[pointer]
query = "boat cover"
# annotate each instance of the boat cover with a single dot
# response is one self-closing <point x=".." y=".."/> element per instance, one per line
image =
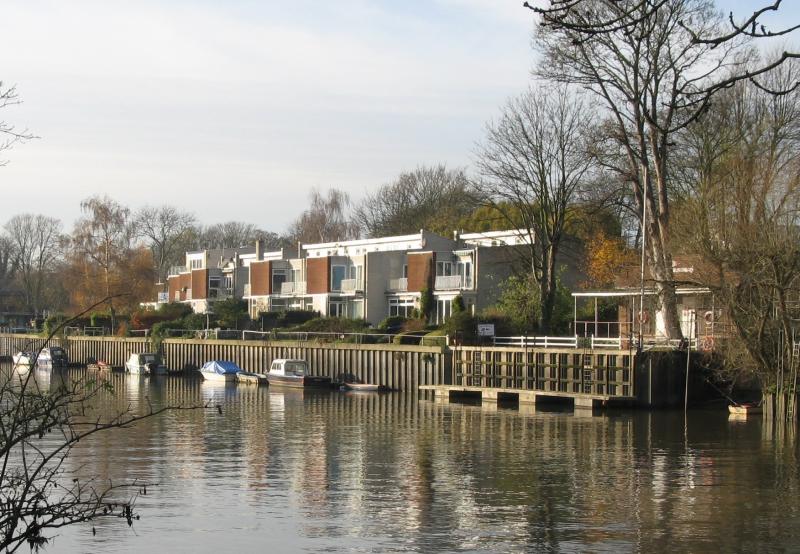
<point x="220" y="367"/>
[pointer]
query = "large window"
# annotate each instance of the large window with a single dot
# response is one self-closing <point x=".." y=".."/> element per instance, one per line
<point x="464" y="270"/>
<point x="444" y="269"/>
<point x="443" y="309"/>
<point x="229" y="283"/>
<point x="336" y="309"/>
<point x="196" y="264"/>
<point x="338" y="273"/>
<point x="278" y="278"/>
<point x="401" y="307"/>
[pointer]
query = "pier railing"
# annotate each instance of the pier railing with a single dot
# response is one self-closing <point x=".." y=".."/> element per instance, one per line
<point x="599" y="373"/>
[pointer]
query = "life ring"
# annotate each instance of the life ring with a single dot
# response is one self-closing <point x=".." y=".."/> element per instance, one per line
<point x="708" y="317"/>
<point x="643" y="316"/>
<point x="707" y="344"/>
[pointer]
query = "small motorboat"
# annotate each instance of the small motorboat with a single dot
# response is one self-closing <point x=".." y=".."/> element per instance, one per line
<point x="220" y="370"/>
<point x="23" y="359"/>
<point x="146" y="363"/>
<point x="361" y="387"/>
<point x="294" y="373"/>
<point x="45" y="358"/>
<point x="744" y="409"/>
<point x="98" y="365"/>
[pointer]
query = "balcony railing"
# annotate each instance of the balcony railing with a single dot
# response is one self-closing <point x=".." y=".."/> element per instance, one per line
<point x="397" y="285"/>
<point x="219" y="293"/>
<point x="452" y="282"/>
<point x="247" y="290"/>
<point x="351" y="285"/>
<point x="293" y="287"/>
<point x="177" y="270"/>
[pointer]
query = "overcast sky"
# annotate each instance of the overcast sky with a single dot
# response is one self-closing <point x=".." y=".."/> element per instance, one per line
<point x="235" y="109"/>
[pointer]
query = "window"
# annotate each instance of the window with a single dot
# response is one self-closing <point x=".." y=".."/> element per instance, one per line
<point x="229" y="283"/>
<point x="214" y="282"/>
<point x="464" y="270"/>
<point x="401" y="307"/>
<point x="444" y="269"/>
<point x="336" y="309"/>
<point x="278" y="278"/>
<point x="338" y="273"/>
<point x="196" y="264"/>
<point x="443" y="309"/>
<point x="405" y="271"/>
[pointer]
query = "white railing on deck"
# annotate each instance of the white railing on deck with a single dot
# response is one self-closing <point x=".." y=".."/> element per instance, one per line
<point x="537" y="342"/>
<point x="351" y="285"/>
<point x="398" y="285"/>
<point x="247" y="290"/>
<point x="452" y="282"/>
<point x="293" y="287"/>
<point x="606" y="342"/>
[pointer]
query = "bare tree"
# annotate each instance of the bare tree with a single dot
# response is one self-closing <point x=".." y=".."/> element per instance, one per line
<point x="326" y="219"/>
<point x="41" y="425"/>
<point x="744" y="221"/>
<point x="656" y="65"/>
<point x="165" y="230"/>
<point x="35" y="242"/>
<point x="535" y="159"/>
<point x="9" y="134"/>
<point x="432" y="198"/>
<point x="103" y="237"/>
<point x="234" y="234"/>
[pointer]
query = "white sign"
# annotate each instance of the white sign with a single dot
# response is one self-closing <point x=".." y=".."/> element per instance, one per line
<point x="486" y="329"/>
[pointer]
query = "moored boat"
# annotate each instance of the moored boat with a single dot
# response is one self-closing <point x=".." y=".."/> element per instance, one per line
<point x="744" y="409"/>
<point x="145" y="363"/>
<point x="98" y="365"/>
<point x="220" y="370"/>
<point x="362" y="387"/>
<point x="45" y="358"/>
<point x="294" y="373"/>
<point x="23" y="359"/>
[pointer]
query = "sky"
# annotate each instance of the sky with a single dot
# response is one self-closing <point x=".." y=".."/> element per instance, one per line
<point x="236" y="109"/>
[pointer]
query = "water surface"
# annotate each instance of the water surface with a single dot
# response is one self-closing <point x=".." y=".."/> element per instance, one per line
<point x="293" y="471"/>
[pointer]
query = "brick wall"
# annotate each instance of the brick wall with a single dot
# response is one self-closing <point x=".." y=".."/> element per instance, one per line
<point x="318" y="275"/>
<point x="420" y="271"/>
<point x="260" y="278"/>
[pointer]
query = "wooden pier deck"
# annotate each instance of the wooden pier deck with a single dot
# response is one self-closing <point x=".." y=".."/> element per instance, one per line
<point x="492" y="394"/>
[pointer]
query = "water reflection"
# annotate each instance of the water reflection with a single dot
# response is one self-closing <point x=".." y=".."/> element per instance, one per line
<point x="297" y="470"/>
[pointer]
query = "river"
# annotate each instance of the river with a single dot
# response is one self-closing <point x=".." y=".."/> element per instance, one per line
<point x="293" y="471"/>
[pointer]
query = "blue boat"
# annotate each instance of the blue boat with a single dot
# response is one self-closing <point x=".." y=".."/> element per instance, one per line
<point x="220" y="370"/>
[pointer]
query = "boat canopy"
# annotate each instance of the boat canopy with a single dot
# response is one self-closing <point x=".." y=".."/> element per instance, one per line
<point x="220" y="367"/>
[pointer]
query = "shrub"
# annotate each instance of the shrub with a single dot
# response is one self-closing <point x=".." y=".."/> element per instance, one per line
<point x="195" y="321"/>
<point x="411" y="325"/>
<point x="333" y="325"/>
<point x="392" y="323"/>
<point x="463" y="327"/>
<point x="457" y="305"/>
<point x="426" y="302"/>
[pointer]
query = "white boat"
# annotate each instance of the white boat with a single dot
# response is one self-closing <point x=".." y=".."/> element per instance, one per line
<point x="45" y="358"/>
<point x="362" y="387"/>
<point x="23" y="360"/>
<point x="219" y="370"/>
<point x="294" y="373"/>
<point x="744" y="409"/>
<point x="146" y="363"/>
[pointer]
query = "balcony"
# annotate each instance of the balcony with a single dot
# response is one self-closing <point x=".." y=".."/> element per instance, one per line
<point x="452" y="282"/>
<point x="351" y="285"/>
<point x="177" y="270"/>
<point x="397" y="285"/>
<point x="219" y="293"/>
<point x="293" y="287"/>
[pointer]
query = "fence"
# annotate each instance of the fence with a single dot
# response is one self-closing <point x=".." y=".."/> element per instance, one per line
<point x="601" y="373"/>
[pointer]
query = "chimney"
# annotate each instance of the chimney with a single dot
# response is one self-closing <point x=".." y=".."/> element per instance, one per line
<point x="259" y="250"/>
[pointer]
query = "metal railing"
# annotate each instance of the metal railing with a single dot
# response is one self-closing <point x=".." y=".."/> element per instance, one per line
<point x="452" y="282"/>
<point x="293" y="287"/>
<point x="397" y="285"/>
<point x="177" y="270"/>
